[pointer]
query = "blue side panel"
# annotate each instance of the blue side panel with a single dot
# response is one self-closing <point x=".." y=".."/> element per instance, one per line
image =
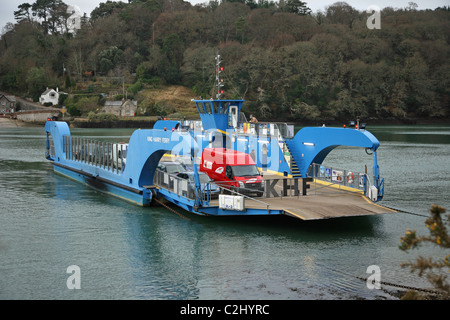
<point x="145" y="149"/>
<point x="313" y="144"/>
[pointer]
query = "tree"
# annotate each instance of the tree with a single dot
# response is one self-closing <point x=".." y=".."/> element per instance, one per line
<point x="36" y="81"/>
<point x="225" y="17"/>
<point x="41" y="9"/>
<point x="240" y="27"/>
<point x="297" y="7"/>
<point x="53" y="13"/>
<point x="436" y="225"/>
<point x="24" y="12"/>
<point x="341" y="12"/>
<point x="106" y="9"/>
<point x="109" y="58"/>
<point x="59" y="16"/>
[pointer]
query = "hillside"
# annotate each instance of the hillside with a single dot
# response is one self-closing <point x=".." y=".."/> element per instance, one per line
<point x="285" y="61"/>
<point x="170" y="101"/>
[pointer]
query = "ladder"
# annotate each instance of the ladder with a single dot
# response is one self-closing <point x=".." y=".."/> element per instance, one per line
<point x="295" y="171"/>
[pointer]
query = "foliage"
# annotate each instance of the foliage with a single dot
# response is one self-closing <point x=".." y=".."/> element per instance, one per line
<point x="36" y="81"/>
<point x="92" y="116"/>
<point x="284" y="60"/>
<point x="436" y="225"/>
<point x="82" y="105"/>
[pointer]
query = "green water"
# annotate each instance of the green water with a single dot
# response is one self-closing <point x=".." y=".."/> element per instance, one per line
<point x="48" y="223"/>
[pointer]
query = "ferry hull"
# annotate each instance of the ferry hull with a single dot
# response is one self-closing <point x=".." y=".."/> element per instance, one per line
<point x="135" y="197"/>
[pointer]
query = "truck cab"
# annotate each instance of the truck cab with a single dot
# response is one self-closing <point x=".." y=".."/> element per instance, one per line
<point x="233" y="170"/>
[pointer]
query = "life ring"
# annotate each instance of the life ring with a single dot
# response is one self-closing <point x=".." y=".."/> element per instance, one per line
<point x="350" y="177"/>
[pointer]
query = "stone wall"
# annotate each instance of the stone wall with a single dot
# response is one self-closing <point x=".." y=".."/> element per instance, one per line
<point x="37" y="116"/>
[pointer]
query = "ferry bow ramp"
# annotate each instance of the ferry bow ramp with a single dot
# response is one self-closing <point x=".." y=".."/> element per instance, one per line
<point x="341" y="205"/>
<point x="318" y="202"/>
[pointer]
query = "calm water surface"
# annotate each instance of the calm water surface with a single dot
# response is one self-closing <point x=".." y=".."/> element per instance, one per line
<point x="48" y="223"/>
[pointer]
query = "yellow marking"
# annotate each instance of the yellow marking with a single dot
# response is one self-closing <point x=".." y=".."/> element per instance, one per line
<point x="274" y="172"/>
<point x="378" y="205"/>
<point x="295" y="214"/>
<point x="176" y="156"/>
<point x="224" y="132"/>
<point x="337" y="186"/>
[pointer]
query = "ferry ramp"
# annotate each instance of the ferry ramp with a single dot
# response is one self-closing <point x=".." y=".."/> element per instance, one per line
<point x="319" y="201"/>
<point x="304" y="198"/>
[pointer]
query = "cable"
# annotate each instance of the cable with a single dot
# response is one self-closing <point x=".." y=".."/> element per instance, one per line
<point x="169" y="208"/>
<point x="403" y="211"/>
<point x="384" y="282"/>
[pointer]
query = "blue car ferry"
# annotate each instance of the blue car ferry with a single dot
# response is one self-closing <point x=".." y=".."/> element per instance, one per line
<point x="290" y="163"/>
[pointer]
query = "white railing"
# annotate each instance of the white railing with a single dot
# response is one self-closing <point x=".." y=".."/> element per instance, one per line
<point x="339" y="177"/>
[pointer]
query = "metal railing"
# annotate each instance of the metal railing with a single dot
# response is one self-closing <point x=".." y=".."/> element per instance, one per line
<point x="268" y="188"/>
<point x="275" y="129"/>
<point x="173" y="183"/>
<point x="184" y="187"/>
<point x="106" y="155"/>
<point x="338" y="177"/>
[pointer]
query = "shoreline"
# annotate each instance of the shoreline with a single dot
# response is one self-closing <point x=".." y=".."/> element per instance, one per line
<point x="14" y="123"/>
<point x="11" y="123"/>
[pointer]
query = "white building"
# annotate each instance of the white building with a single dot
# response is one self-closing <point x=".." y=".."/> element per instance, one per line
<point x="74" y="21"/>
<point x="49" y="96"/>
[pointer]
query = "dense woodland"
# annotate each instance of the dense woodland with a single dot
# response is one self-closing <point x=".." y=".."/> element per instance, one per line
<point x="287" y="62"/>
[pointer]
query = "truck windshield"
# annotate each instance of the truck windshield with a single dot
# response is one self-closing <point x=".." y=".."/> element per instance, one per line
<point x="247" y="170"/>
<point x="202" y="177"/>
<point x="174" y="168"/>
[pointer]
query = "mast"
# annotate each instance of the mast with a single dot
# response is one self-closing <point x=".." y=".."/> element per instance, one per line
<point x="219" y="80"/>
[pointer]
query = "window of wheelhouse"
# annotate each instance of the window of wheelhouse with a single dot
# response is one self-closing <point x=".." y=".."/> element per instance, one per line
<point x="216" y="105"/>
<point x="225" y="106"/>
<point x="207" y="106"/>
<point x="200" y="107"/>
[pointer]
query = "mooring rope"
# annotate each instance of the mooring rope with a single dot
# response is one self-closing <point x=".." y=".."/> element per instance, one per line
<point x="403" y="286"/>
<point x="385" y="283"/>
<point x="408" y="212"/>
<point x="169" y="208"/>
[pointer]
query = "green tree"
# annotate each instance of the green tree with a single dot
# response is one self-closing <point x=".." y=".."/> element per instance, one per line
<point x="53" y="14"/>
<point x="342" y="13"/>
<point x="240" y="27"/>
<point x="297" y="7"/>
<point x="24" y="12"/>
<point x="109" y="58"/>
<point x="106" y="9"/>
<point x="36" y="81"/>
<point x="437" y="226"/>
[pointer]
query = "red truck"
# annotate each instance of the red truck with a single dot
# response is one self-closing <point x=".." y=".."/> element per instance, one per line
<point x="233" y="170"/>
